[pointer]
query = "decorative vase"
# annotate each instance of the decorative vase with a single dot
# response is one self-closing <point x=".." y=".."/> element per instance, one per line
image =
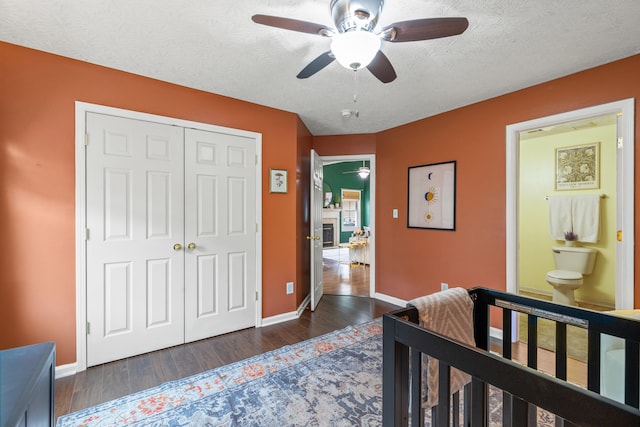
<point x="569" y="242"/>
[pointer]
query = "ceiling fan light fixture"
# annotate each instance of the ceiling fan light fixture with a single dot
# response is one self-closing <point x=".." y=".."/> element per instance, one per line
<point x="355" y="49"/>
<point x="363" y="172"/>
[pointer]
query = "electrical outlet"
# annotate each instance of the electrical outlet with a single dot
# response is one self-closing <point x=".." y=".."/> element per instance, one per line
<point x="395" y="213"/>
<point x="444" y="286"/>
<point x="289" y="287"/>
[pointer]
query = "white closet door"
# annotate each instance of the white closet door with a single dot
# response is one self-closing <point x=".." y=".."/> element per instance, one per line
<point x="135" y="207"/>
<point x="220" y="226"/>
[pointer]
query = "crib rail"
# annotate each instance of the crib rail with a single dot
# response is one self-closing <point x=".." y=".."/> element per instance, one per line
<point x="523" y="386"/>
<point x="596" y="323"/>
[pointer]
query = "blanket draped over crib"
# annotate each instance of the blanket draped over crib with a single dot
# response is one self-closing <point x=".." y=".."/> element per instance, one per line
<point x="449" y="313"/>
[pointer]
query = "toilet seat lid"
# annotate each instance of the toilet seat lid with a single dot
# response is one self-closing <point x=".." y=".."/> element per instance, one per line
<point x="565" y="275"/>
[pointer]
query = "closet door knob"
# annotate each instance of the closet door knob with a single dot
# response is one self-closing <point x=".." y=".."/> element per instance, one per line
<point x="177" y="247"/>
<point x="191" y="246"/>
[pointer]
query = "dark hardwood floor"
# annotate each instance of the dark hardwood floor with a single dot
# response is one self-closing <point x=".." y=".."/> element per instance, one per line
<point x="106" y="382"/>
<point x="342" y="278"/>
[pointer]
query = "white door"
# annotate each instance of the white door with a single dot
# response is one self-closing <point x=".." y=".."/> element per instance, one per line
<point x="134" y="217"/>
<point x="315" y="239"/>
<point x="220" y="233"/>
<point x="171" y="245"/>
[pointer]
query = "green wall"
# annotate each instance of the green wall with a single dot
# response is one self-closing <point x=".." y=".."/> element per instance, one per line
<point x="537" y="178"/>
<point x="336" y="180"/>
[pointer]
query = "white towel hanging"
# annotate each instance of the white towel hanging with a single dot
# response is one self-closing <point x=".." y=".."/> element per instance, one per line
<point x="585" y="217"/>
<point x="559" y="216"/>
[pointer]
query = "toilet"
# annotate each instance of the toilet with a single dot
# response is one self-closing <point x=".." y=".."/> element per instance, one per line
<point x="571" y="263"/>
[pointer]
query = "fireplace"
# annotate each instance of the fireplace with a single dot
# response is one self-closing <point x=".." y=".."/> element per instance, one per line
<point x="330" y="224"/>
<point x="327" y="236"/>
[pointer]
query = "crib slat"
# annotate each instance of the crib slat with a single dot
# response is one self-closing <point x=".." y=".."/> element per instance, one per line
<point x="532" y="346"/>
<point x="632" y="373"/>
<point x="443" y="415"/>
<point x="456" y="408"/>
<point x="506" y="333"/>
<point x="561" y="350"/>
<point x="478" y="402"/>
<point x="593" y="360"/>
<point x="417" y="418"/>
<point x="467" y="405"/>
<point x="520" y="412"/>
<point x="507" y="409"/>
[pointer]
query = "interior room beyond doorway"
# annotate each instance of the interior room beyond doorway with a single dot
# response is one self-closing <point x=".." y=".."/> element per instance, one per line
<point x="347" y="226"/>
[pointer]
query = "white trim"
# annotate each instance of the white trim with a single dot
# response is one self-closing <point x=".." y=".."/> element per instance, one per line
<point x="285" y="317"/>
<point x="66" y="370"/>
<point x="279" y="318"/>
<point x="495" y="333"/>
<point x="372" y="208"/>
<point x="304" y="305"/>
<point x="626" y="194"/>
<point x="82" y="108"/>
<point x="391" y="300"/>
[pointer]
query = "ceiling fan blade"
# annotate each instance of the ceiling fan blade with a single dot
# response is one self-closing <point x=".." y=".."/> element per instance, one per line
<point x="381" y="68"/>
<point x="425" y="29"/>
<point x="292" y="24"/>
<point x="316" y="65"/>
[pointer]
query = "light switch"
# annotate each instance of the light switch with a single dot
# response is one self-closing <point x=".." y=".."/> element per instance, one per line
<point x="395" y="213"/>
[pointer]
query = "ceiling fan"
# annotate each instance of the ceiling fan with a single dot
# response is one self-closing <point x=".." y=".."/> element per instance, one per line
<point x="363" y="171"/>
<point x="356" y="42"/>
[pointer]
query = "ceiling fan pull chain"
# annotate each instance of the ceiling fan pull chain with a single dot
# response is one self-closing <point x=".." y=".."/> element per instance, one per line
<point x="355" y="86"/>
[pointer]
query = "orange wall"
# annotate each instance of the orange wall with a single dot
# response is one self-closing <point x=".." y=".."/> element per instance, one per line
<point x="37" y="183"/>
<point x="37" y="161"/>
<point x="413" y="262"/>
<point x="344" y="145"/>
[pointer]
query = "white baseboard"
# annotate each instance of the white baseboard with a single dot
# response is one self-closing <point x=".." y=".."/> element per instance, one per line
<point x="495" y="333"/>
<point x="285" y="317"/>
<point x="66" y="370"/>
<point x="390" y="299"/>
<point x="304" y="305"/>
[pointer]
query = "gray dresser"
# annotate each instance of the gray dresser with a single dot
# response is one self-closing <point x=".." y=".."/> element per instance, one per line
<point x="27" y="383"/>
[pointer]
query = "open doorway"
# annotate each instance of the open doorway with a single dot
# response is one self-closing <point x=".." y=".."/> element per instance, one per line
<point x="590" y="125"/>
<point x="348" y="225"/>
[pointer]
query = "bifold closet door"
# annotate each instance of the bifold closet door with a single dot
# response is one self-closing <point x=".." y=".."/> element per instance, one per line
<point x="135" y="222"/>
<point x="220" y="233"/>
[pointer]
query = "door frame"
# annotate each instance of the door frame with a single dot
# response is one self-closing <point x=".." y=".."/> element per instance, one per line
<point x="81" y="110"/>
<point x="625" y="111"/>
<point x="371" y="158"/>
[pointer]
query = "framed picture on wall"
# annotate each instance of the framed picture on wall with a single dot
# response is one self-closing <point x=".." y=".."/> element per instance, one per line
<point x="432" y="196"/>
<point x="578" y="167"/>
<point x="278" y="181"/>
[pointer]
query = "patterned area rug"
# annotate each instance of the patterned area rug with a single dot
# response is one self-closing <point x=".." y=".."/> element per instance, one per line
<point x="332" y="380"/>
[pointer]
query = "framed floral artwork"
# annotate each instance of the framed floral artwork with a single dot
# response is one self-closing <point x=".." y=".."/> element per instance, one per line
<point x="278" y="181"/>
<point x="578" y="167"/>
<point x="432" y="196"/>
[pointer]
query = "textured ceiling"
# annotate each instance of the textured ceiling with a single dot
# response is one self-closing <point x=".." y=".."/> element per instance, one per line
<point x="213" y="45"/>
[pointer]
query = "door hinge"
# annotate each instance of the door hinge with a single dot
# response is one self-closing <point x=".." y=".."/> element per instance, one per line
<point x="257" y="227"/>
<point x="88" y="328"/>
<point x="257" y="159"/>
<point x="86" y="234"/>
<point x="257" y="296"/>
<point x="620" y="143"/>
<point x="86" y="139"/>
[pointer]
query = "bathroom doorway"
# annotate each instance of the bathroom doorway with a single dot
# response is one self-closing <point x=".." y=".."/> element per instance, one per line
<point x="612" y="123"/>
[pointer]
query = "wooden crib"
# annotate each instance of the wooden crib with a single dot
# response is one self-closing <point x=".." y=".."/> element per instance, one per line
<point x="523" y="388"/>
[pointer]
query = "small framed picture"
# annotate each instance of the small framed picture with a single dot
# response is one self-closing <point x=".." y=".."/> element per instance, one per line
<point x="278" y="181"/>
